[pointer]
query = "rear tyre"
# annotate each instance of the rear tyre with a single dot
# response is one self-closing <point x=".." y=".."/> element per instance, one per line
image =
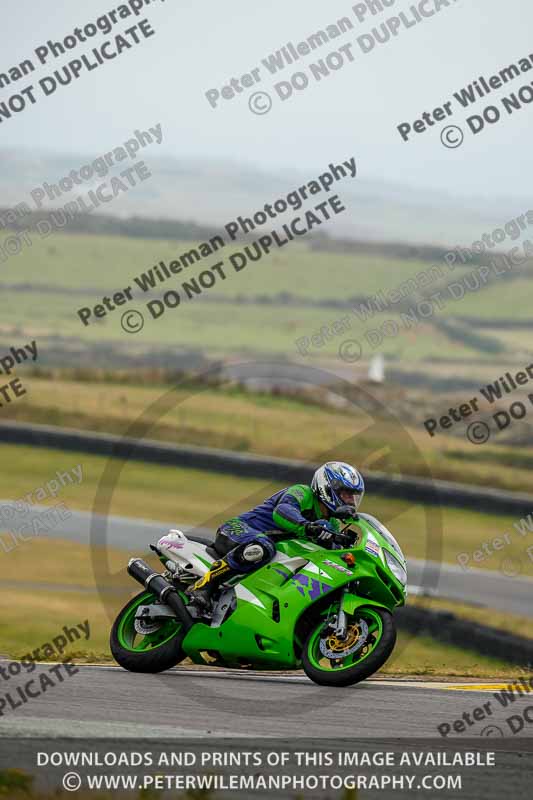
<point x="332" y="662"/>
<point x="153" y="651"/>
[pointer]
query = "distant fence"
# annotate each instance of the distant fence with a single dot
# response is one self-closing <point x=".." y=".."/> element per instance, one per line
<point x="270" y="468"/>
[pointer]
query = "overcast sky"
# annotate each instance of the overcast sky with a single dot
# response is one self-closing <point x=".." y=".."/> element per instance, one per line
<point x="199" y="46"/>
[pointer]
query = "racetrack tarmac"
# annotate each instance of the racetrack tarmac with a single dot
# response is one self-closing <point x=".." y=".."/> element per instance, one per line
<point x="110" y="702"/>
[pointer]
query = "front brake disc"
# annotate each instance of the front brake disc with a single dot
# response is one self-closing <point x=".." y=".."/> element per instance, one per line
<point x="340" y="654"/>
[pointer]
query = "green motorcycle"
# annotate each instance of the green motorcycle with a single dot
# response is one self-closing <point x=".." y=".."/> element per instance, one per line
<point x="326" y="611"/>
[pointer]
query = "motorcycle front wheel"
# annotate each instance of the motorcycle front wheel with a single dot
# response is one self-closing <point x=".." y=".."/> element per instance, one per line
<point x="370" y="640"/>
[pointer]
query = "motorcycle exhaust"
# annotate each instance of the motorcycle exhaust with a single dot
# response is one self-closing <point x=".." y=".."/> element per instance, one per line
<point x="163" y="590"/>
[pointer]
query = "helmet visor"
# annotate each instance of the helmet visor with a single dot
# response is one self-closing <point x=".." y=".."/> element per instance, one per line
<point x="349" y="497"/>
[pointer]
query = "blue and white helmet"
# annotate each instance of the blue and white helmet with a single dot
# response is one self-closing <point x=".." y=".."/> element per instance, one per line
<point x="338" y="484"/>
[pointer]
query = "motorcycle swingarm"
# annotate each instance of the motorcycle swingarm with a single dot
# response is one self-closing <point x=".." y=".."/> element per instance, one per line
<point x="155" y="611"/>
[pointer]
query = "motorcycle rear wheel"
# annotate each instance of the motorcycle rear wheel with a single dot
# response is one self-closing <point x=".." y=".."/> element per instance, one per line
<point x="348" y="667"/>
<point x="152" y="652"/>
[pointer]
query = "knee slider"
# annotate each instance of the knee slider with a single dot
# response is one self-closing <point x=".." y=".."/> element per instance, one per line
<point x="253" y="553"/>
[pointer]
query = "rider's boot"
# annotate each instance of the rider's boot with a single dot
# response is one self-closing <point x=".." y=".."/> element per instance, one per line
<point x="202" y="591"/>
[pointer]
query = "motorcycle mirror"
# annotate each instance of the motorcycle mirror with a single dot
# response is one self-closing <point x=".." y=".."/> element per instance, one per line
<point x="345" y="512"/>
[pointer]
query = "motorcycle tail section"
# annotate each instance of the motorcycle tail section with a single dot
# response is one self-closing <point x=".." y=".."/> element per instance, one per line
<point x="185" y="553"/>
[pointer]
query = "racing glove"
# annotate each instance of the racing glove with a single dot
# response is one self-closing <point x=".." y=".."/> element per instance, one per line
<point x="321" y="531"/>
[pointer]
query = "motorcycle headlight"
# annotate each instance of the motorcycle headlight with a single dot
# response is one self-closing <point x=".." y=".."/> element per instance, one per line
<point x="397" y="569"/>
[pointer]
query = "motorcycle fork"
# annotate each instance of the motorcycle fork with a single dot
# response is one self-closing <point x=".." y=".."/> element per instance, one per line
<point x="339" y="623"/>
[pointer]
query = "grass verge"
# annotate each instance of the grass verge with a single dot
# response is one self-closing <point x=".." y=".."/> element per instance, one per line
<point x="520" y="626"/>
<point x="281" y="426"/>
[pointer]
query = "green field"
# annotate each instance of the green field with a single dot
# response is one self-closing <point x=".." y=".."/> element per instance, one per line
<point x="106" y="263"/>
<point x="63" y="273"/>
<point x="254" y="315"/>
<point x="281" y="426"/>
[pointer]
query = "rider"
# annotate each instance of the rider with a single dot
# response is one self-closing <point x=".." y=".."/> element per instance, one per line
<point x="302" y="511"/>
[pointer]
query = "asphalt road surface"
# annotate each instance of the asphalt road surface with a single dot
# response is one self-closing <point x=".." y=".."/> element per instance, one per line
<point x="235" y="712"/>
<point x="490" y="589"/>
<point x="110" y="702"/>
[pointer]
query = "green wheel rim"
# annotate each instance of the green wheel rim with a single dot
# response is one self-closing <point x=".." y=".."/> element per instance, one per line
<point x="135" y="642"/>
<point x="325" y="664"/>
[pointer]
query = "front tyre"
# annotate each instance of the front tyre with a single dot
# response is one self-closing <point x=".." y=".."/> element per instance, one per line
<point x="155" y="648"/>
<point x="370" y="641"/>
